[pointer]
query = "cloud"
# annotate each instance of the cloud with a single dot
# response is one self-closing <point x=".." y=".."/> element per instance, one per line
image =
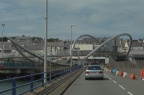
<point x="94" y="17"/>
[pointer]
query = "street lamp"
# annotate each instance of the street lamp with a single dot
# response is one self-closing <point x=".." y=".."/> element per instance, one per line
<point x="78" y="50"/>
<point x="3" y="25"/>
<point x="46" y="34"/>
<point x="71" y="49"/>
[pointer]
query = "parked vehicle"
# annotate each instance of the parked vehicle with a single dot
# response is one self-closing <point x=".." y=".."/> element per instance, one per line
<point x="93" y="71"/>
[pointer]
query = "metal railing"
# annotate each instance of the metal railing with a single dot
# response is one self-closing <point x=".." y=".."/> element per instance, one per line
<point x="33" y="81"/>
<point x="14" y="65"/>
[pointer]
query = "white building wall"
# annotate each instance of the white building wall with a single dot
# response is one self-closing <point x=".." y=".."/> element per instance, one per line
<point x="40" y="52"/>
<point x="106" y="60"/>
<point x="137" y="48"/>
<point x="84" y="46"/>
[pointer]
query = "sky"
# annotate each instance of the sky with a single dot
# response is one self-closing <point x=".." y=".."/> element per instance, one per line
<point x="99" y="18"/>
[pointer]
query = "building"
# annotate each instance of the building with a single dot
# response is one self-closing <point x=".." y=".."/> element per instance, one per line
<point x="35" y="46"/>
<point x="82" y="48"/>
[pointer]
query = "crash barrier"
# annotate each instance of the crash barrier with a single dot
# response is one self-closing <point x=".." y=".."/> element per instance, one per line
<point x="120" y="73"/>
<point x="132" y="76"/>
<point x="111" y="71"/>
<point x="117" y="73"/>
<point x="114" y="70"/>
<point x="130" y="67"/>
<point x="125" y="74"/>
<point x="35" y="83"/>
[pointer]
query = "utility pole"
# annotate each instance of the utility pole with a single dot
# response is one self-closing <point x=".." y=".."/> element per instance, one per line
<point x="46" y="34"/>
<point x="71" y="49"/>
<point x="3" y="25"/>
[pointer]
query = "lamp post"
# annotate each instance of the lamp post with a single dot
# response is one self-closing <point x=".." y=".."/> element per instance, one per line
<point x="71" y="49"/>
<point x="79" y="56"/>
<point x="3" y="25"/>
<point x="45" y="49"/>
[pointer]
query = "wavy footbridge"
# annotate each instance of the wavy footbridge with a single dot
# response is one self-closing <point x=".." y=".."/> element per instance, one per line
<point x="106" y="46"/>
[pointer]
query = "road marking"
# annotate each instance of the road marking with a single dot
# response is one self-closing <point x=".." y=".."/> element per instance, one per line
<point x="105" y="75"/>
<point x="114" y="81"/>
<point x="129" y="93"/>
<point x="122" y="87"/>
<point x="110" y="78"/>
<point x="119" y="85"/>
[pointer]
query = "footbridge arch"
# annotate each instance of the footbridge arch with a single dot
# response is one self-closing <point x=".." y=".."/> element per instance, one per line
<point x="73" y="46"/>
<point x="110" y="39"/>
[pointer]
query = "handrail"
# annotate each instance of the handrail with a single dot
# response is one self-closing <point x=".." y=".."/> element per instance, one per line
<point x="15" y="87"/>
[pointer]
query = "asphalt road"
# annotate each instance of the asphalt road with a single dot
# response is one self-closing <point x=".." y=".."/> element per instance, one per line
<point x="110" y="85"/>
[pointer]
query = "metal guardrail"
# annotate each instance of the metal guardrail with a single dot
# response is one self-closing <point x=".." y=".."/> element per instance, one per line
<point x="31" y="84"/>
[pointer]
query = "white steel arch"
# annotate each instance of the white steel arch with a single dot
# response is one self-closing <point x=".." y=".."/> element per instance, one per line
<point x="73" y="45"/>
<point x="123" y="34"/>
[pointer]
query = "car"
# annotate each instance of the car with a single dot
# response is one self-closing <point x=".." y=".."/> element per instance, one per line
<point x="93" y="72"/>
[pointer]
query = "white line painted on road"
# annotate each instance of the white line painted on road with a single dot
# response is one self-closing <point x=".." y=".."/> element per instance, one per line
<point x="119" y="85"/>
<point x="114" y="81"/>
<point x="122" y="87"/>
<point x="105" y="75"/>
<point x="129" y="93"/>
<point x="110" y="78"/>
